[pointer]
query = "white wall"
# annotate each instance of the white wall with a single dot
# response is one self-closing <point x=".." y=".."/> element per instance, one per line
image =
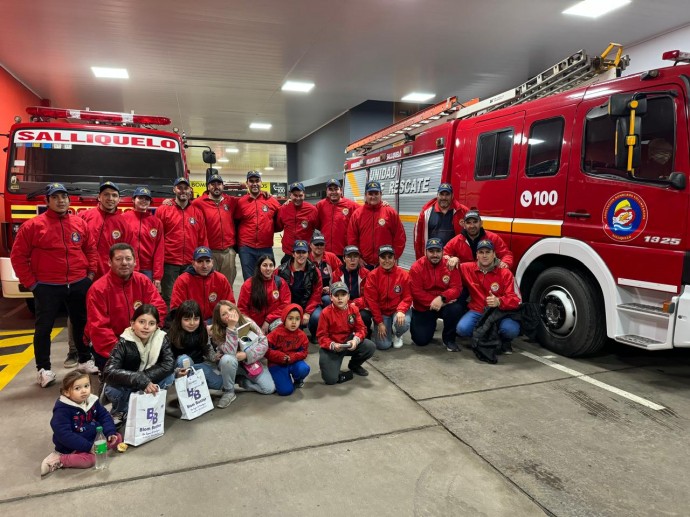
<point x="647" y="55"/>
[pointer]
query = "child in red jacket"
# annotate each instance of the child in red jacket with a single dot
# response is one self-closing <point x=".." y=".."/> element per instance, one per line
<point x="288" y="347"/>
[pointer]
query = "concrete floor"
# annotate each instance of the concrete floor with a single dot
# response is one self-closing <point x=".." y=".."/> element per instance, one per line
<point x="427" y="433"/>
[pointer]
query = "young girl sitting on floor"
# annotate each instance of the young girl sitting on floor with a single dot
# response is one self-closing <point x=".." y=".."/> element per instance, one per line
<point x="288" y="347"/>
<point x="76" y="415"/>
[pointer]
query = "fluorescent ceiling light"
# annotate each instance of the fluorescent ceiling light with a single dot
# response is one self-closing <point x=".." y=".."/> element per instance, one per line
<point x="232" y="150"/>
<point x="260" y="125"/>
<point x="418" y="97"/>
<point x="223" y="160"/>
<point x="110" y="73"/>
<point x="297" y="86"/>
<point x="595" y="8"/>
<point x="268" y="168"/>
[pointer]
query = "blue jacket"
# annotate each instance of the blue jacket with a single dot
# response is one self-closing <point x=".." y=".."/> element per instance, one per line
<point x="74" y="427"/>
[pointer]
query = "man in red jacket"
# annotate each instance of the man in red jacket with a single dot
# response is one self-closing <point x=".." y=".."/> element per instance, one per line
<point x="146" y="235"/>
<point x="463" y="247"/>
<point x="218" y="211"/>
<point x="435" y="291"/>
<point x="112" y="300"/>
<point x="55" y="257"/>
<point x="255" y="212"/>
<point x="184" y="231"/>
<point x="441" y="218"/>
<point x="388" y="296"/>
<point x="334" y="215"/>
<point x="201" y="283"/>
<point x="375" y="225"/>
<point x="296" y="219"/>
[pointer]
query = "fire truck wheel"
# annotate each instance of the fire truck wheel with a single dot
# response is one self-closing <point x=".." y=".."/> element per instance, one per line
<point x="571" y="310"/>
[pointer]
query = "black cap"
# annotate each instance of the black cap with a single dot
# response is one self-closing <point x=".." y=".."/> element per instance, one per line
<point x="350" y="250"/>
<point x="54" y="188"/>
<point x="181" y="180"/>
<point x="108" y="184"/>
<point x="318" y="238"/>
<point x="472" y="214"/>
<point x="253" y="174"/>
<point x="332" y="181"/>
<point x="386" y="248"/>
<point x="142" y="192"/>
<point x="297" y="185"/>
<point x="214" y="177"/>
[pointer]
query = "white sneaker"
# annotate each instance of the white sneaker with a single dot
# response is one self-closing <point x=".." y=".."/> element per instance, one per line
<point x="397" y="342"/>
<point x="51" y="463"/>
<point x="45" y="377"/>
<point x="88" y="367"/>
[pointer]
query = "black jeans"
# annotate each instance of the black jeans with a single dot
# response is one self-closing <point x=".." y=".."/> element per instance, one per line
<point x="423" y="324"/>
<point x="48" y="301"/>
<point x="330" y="361"/>
<point x="170" y="274"/>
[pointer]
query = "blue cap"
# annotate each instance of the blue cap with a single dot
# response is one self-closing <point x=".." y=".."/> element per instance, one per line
<point x="386" y="248"/>
<point x="434" y="244"/>
<point x="202" y="252"/>
<point x="349" y="250"/>
<point x="472" y="214"/>
<point x="445" y="187"/>
<point x="108" y="184"/>
<point x="180" y="180"/>
<point x="373" y="186"/>
<point x="215" y="177"/>
<point x="53" y="188"/>
<point x="318" y="238"/>
<point x="253" y="174"/>
<point x="485" y="243"/>
<point x="297" y="185"/>
<point x="332" y="181"/>
<point x="300" y="246"/>
<point x="142" y="191"/>
<point x="339" y="286"/>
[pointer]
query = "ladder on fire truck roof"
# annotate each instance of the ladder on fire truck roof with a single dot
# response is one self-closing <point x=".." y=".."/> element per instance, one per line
<point x="577" y="69"/>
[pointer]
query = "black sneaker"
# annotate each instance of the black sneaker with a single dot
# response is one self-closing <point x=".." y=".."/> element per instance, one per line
<point x="298" y="384"/>
<point x="452" y="347"/>
<point x="507" y="347"/>
<point x="358" y="370"/>
<point x="344" y="377"/>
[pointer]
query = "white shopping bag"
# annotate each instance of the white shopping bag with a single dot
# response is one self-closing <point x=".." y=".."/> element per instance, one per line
<point x="193" y="394"/>
<point x="145" y="417"/>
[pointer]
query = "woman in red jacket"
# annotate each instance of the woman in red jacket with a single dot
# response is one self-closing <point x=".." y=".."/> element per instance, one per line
<point x="264" y="296"/>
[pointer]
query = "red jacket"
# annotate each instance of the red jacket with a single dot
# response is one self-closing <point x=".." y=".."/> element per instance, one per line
<point x="373" y="226"/>
<point x="110" y="303"/>
<point x="362" y="273"/>
<point x="285" y="346"/>
<point x="53" y="249"/>
<point x="146" y="237"/>
<point x="421" y="228"/>
<point x="278" y="298"/>
<point x="333" y="221"/>
<point x="218" y="220"/>
<point x="296" y="224"/>
<point x="499" y="281"/>
<point x="256" y="218"/>
<point x="327" y="267"/>
<point x="339" y="325"/>
<point x="428" y="281"/>
<point x="207" y="291"/>
<point x="106" y="230"/>
<point x="459" y="247"/>
<point x="387" y="292"/>
<point x="184" y="231"/>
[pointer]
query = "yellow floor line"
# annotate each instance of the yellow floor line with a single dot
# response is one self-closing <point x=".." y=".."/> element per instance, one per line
<point x="15" y="362"/>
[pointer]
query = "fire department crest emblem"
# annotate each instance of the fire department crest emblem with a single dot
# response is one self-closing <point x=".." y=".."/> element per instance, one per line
<point x="397" y="289"/>
<point x="495" y="287"/>
<point x="116" y="234"/>
<point x="264" y="208"/>
<point x="76" y="237"/>
<point x="153" y="232"/>
<point x="624" y="216"/>
<point x="212" y="297"/>
<point x="137" y="304"/>
<point x="304" y="224"/>
<point x="225" y="207"/>
<point x="276" y="294"/>
<point x="351" y="319"/>
<point x="192" y="220"/>
<point x="346" y="211"/>
<point x="445" y="279"/>
<point x="382" y="222"/>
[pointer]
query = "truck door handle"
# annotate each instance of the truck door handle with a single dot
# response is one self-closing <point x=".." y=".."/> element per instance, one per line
<point x="583" y="215"/>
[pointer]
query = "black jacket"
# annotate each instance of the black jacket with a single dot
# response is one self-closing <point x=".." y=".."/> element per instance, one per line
<point x="311" y="278"/>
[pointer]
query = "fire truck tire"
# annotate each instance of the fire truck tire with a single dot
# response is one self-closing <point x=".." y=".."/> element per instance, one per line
<point x="571" y="311"/>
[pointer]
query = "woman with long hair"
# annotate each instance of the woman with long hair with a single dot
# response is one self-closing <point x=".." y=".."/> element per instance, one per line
<point x="263" y="296"/>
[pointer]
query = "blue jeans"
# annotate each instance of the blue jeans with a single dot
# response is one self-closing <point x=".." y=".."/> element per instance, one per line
<point x="250" y="256"/>
<point x="284" y="377"/>
<point x="148" y="273"/>
<point x="224" y="380"/>
<point x="119" y="395"/>
<point x="314" y="320"/>
<point x="507" y="328"/>
<point x="391" y="328"/>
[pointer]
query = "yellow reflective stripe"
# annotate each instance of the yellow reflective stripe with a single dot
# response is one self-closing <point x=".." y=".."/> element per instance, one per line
<point x="409" y="218"/>
<point x="497" y="224"/>
<point x="547" y="227"/>
<point x="353" y="185"/>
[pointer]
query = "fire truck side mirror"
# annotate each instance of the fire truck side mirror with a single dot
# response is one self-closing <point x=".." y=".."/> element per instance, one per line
<point x="209" y="157"/>
<point x="628" y="150"/>
<point x="677" y="180"/>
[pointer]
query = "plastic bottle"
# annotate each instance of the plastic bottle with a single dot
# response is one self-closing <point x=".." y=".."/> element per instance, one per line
<point x="100" y="449"/>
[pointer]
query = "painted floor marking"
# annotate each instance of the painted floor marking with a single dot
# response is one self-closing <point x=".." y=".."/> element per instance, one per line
<point x="599" y="384"/>
<point x="13" y="311"/>
<point x="13" y="363"/>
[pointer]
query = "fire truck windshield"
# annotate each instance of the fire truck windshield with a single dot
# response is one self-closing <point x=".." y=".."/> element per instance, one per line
<point x="81" y="160"/>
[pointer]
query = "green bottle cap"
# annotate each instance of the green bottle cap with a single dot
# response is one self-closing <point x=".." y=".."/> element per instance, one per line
<point x="99" y="429"/>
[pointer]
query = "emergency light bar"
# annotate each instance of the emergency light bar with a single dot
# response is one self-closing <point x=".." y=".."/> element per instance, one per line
<point x="97" y="116"/>
<point x="677" y="56"/>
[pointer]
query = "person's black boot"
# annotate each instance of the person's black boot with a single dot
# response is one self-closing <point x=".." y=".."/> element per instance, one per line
<point x="344" y="377"/>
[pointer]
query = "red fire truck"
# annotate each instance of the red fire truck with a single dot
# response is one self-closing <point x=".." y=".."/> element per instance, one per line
<point x="586" y="181"/>
<point x="81" y="149"/>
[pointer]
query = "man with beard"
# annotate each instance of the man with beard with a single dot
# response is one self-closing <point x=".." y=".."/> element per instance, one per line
<point x="440" y="218"/>
<point x="334" y="215"/>
<point x="296" y="219"/>
<point x="255" y="213"/>
<point x="463" y="247"/>
<point x="218" y="211"/>
<point x="184" y="231"/>
<point x="435" y="289"/>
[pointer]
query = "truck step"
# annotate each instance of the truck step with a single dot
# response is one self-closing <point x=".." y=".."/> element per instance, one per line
<point x="640" y="308"/>
<point x="639" y="341"/>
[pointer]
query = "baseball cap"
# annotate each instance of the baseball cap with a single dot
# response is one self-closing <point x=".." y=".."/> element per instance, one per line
<point x="142" y="191"/>
<point x="215" y="177"/>
<point x="445" y="187"/>
<point x="386" y="248"/>
<point x="373" y="186"/>
<point x="52" y="188"/>
<point x="180" y="180"/>
<point x="332" y="181"/>
<point x="472" y="214"/>
<point x="253" y="174"/>
<point x="318" y="238"/>
<point x="485" y="243"/>
<point x="108" y="184"/>
<point x="202" y="252"/>
<point x="339" y="286"/>
<point x="300" y="246"/>
<point x="434" y="244"/>
<point x="297" y="185"/>
<point x="350" y="249"/>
